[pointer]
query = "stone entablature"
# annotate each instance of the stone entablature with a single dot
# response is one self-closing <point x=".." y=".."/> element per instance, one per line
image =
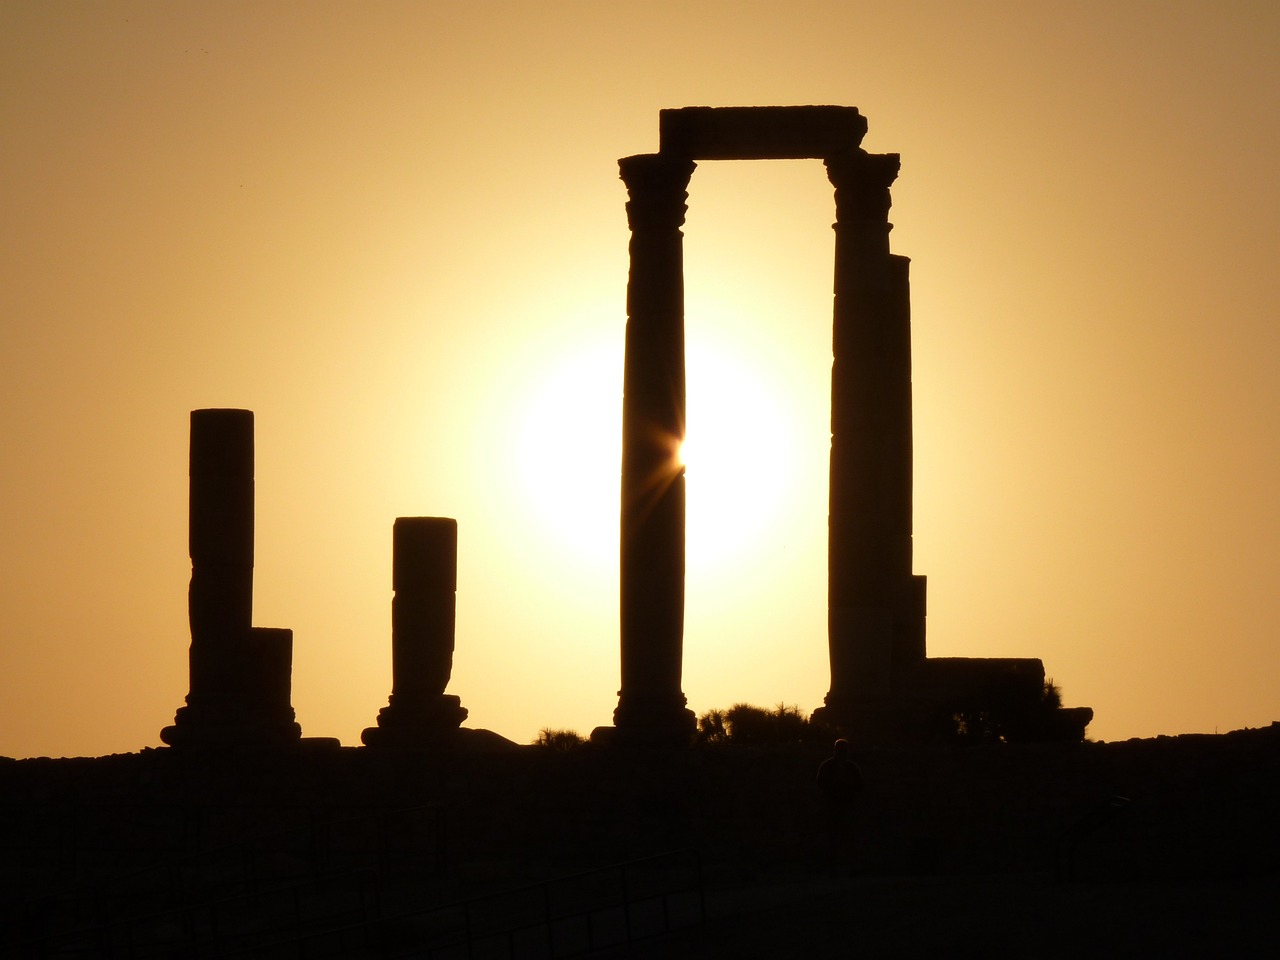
<point x="760" y="133"/>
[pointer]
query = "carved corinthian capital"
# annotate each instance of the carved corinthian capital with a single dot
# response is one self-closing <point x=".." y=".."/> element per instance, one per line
<point x="862" y="183"/>
<point x="657" y="186"/>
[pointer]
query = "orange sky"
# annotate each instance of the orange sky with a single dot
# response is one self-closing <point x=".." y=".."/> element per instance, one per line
<point x="395" y="231"/>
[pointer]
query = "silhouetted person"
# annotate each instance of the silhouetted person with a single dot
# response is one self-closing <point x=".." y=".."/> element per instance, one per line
<point x="840" y="784"/>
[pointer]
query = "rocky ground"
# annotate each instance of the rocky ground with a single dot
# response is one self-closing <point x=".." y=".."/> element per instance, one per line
<point x="1166" y="847"/>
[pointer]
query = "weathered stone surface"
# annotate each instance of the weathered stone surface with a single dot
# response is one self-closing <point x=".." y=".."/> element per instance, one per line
<point x="240" y="674"/>
<point x="875" y="627"/>
<point x="220" y="538"/>
<point x="651" y="705"/>
<point x="760" y="133"/>
<point x="424" y="576"/>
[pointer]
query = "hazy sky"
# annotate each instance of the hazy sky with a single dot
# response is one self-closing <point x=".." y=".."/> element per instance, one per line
<point x="395" y="231"/>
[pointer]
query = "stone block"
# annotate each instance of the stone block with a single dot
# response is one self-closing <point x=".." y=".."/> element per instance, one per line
<point x="760" y="133"/>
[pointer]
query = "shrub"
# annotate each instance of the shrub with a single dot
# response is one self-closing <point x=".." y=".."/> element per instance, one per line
<point x="711" y="727"/>
<point x="744" y="723"/>
<point x="789" y="723"/>
<point x="1007" y="715"/>
<point x="561" y="741"/>
<point x="749" y="724"/>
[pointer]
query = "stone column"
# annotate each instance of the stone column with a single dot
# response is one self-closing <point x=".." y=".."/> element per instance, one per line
<point x="651" y="706"/>
<point x="240" y="674"/>
<point x="220" y="541"/>
<point x="874" y="603"/>
<point x="424" y="578"/>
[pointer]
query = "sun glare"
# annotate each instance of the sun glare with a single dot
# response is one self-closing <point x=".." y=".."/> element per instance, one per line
<point x="738" y="454"/>
<point x="567" y="454"/>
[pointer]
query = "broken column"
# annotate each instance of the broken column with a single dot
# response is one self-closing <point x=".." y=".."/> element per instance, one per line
<point x="875" y="604"/>
<point x="651" y="705"/>
<point x="239" y="674"/>
<point x="424" y="578"/>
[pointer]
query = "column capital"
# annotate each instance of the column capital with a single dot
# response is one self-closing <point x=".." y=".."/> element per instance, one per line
<point x="862" y="183"/>
<point x="657" y="185"/>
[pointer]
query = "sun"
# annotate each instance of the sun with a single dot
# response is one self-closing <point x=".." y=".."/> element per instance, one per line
<point x="738" y="452"/>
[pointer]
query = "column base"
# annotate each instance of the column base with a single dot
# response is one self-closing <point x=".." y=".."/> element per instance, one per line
<point x="645" y="722"/>
<point x="408" y="725"/>
<point x="870" y="719"/>
<point x="225" y="726"/>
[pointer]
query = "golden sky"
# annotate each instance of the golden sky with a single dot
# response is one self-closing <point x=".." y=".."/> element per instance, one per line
<point x="395" y="231"/>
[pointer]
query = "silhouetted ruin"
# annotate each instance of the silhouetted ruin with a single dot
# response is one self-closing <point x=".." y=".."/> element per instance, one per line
<point x="240" y="674"/>
<point x="410" y="846"/>
<point x="424" y="576"/>
<point x="883" y="687"/>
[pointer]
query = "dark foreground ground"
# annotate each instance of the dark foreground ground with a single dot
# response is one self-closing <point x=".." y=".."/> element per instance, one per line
<point x="1164" y="847"/>
<point x="981" y="917"/>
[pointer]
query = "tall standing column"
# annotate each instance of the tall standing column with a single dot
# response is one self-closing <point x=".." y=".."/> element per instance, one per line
<point x="874" y="602"/>
<point x="220" y="540"/>
<point x="651" y="706"/>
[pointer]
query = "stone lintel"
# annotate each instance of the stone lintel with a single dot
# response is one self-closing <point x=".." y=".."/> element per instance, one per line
<point x="760" y="133"/>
